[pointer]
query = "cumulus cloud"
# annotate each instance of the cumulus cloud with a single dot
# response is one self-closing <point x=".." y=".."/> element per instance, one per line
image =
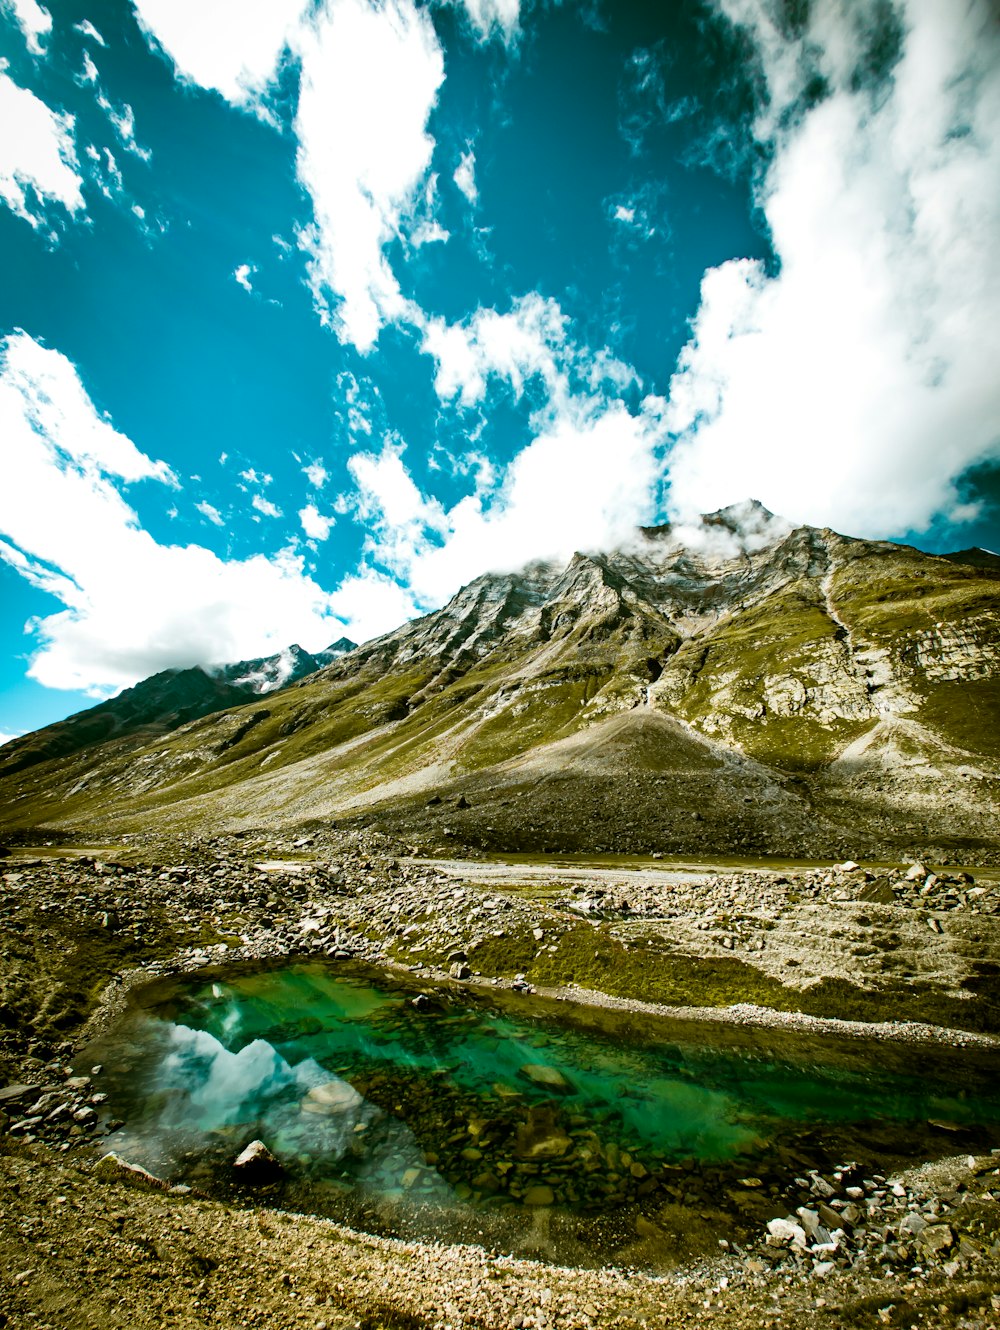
<point x="34" y="22"/>
<point x="234" y="47"/>
<point x="856" y="384"/>
<point x="371" y="603"/>
<point x="316" y="473"/>
<point x="602" y="461"/>
<point x="314" y="523"/>
<point x="8" y="738"/>
<point x="38" y="163"/>
<point x="369" y="80"/>
<point x="131" y="605"/>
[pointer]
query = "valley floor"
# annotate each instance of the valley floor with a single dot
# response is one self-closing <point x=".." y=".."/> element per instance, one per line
<point x="80" y="927"/>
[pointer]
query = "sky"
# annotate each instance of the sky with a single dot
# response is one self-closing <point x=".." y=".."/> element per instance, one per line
<point x="313" y="310"/>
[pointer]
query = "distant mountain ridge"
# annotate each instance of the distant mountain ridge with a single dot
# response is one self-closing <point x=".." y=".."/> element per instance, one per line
<point x="737" y="685"/>
<point x="167" y="700"/>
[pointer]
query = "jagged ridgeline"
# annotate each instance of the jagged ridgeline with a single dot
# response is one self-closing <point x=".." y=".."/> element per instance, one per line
<point x="739" y="686"/>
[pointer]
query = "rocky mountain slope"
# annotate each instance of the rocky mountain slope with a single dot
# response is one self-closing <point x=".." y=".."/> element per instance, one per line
<point x="737" y="686"/>
<point x="165" y="701"/>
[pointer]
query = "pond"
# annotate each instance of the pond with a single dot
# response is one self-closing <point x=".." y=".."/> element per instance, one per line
<point x="559" y="1131"/>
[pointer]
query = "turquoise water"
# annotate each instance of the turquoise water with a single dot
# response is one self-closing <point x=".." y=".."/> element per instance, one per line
<point x="368" y="1101"/>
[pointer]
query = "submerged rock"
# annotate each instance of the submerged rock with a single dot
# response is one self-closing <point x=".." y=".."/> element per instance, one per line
<point x="331" y="1097"/>
<point x="549" y="1077"/>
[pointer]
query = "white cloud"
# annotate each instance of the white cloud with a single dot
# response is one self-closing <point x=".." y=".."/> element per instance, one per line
<point x="232" y="46"/>
<point x="314" y="523"/>
<point x="38" y="163"/>
<point x="585" y="482"/>
<point x="242" y="275"/>
<point x="8" y="738"/>
<point x="53" y="403"/>
<point x="90" y="71"/>
<point x="530" y="341"/>
<point x="317" y="474"/>
<point x="370" y="77"/>
<point x="502" y="17"/>
<point x="465" y="176"/>
<point x="371" y="603"/>
<point x="87" y="29"/>
<point x="123" y="123"/>
<point x="34" y="22"/>
<point x="265" y="506"/>
<point x="853" y="387"/>
<point x="519" y="345"/>
<point x="210" y="512"/>
<point x="131" y="605"/>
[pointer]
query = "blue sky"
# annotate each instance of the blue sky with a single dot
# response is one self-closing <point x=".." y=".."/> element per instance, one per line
<point x="313" y="310"/>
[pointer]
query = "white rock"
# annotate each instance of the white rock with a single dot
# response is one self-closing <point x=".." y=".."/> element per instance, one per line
<point x="785" y="1230"/>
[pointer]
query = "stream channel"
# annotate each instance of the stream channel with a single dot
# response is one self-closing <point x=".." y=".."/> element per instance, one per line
<point x="537" y="1127"/>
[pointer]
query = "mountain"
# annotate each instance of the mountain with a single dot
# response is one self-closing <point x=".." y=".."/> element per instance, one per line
<point x="164" y="702"/>
<point x="268" y="673"/>
<point x="739" y="685"/>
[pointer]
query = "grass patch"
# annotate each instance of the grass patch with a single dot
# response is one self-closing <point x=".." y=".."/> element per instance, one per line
<point x="967" y="712"/>
<point x="648" y="971"/>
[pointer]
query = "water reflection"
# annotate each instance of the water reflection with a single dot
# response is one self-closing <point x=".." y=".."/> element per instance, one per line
<point x="463" y="1120"/>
